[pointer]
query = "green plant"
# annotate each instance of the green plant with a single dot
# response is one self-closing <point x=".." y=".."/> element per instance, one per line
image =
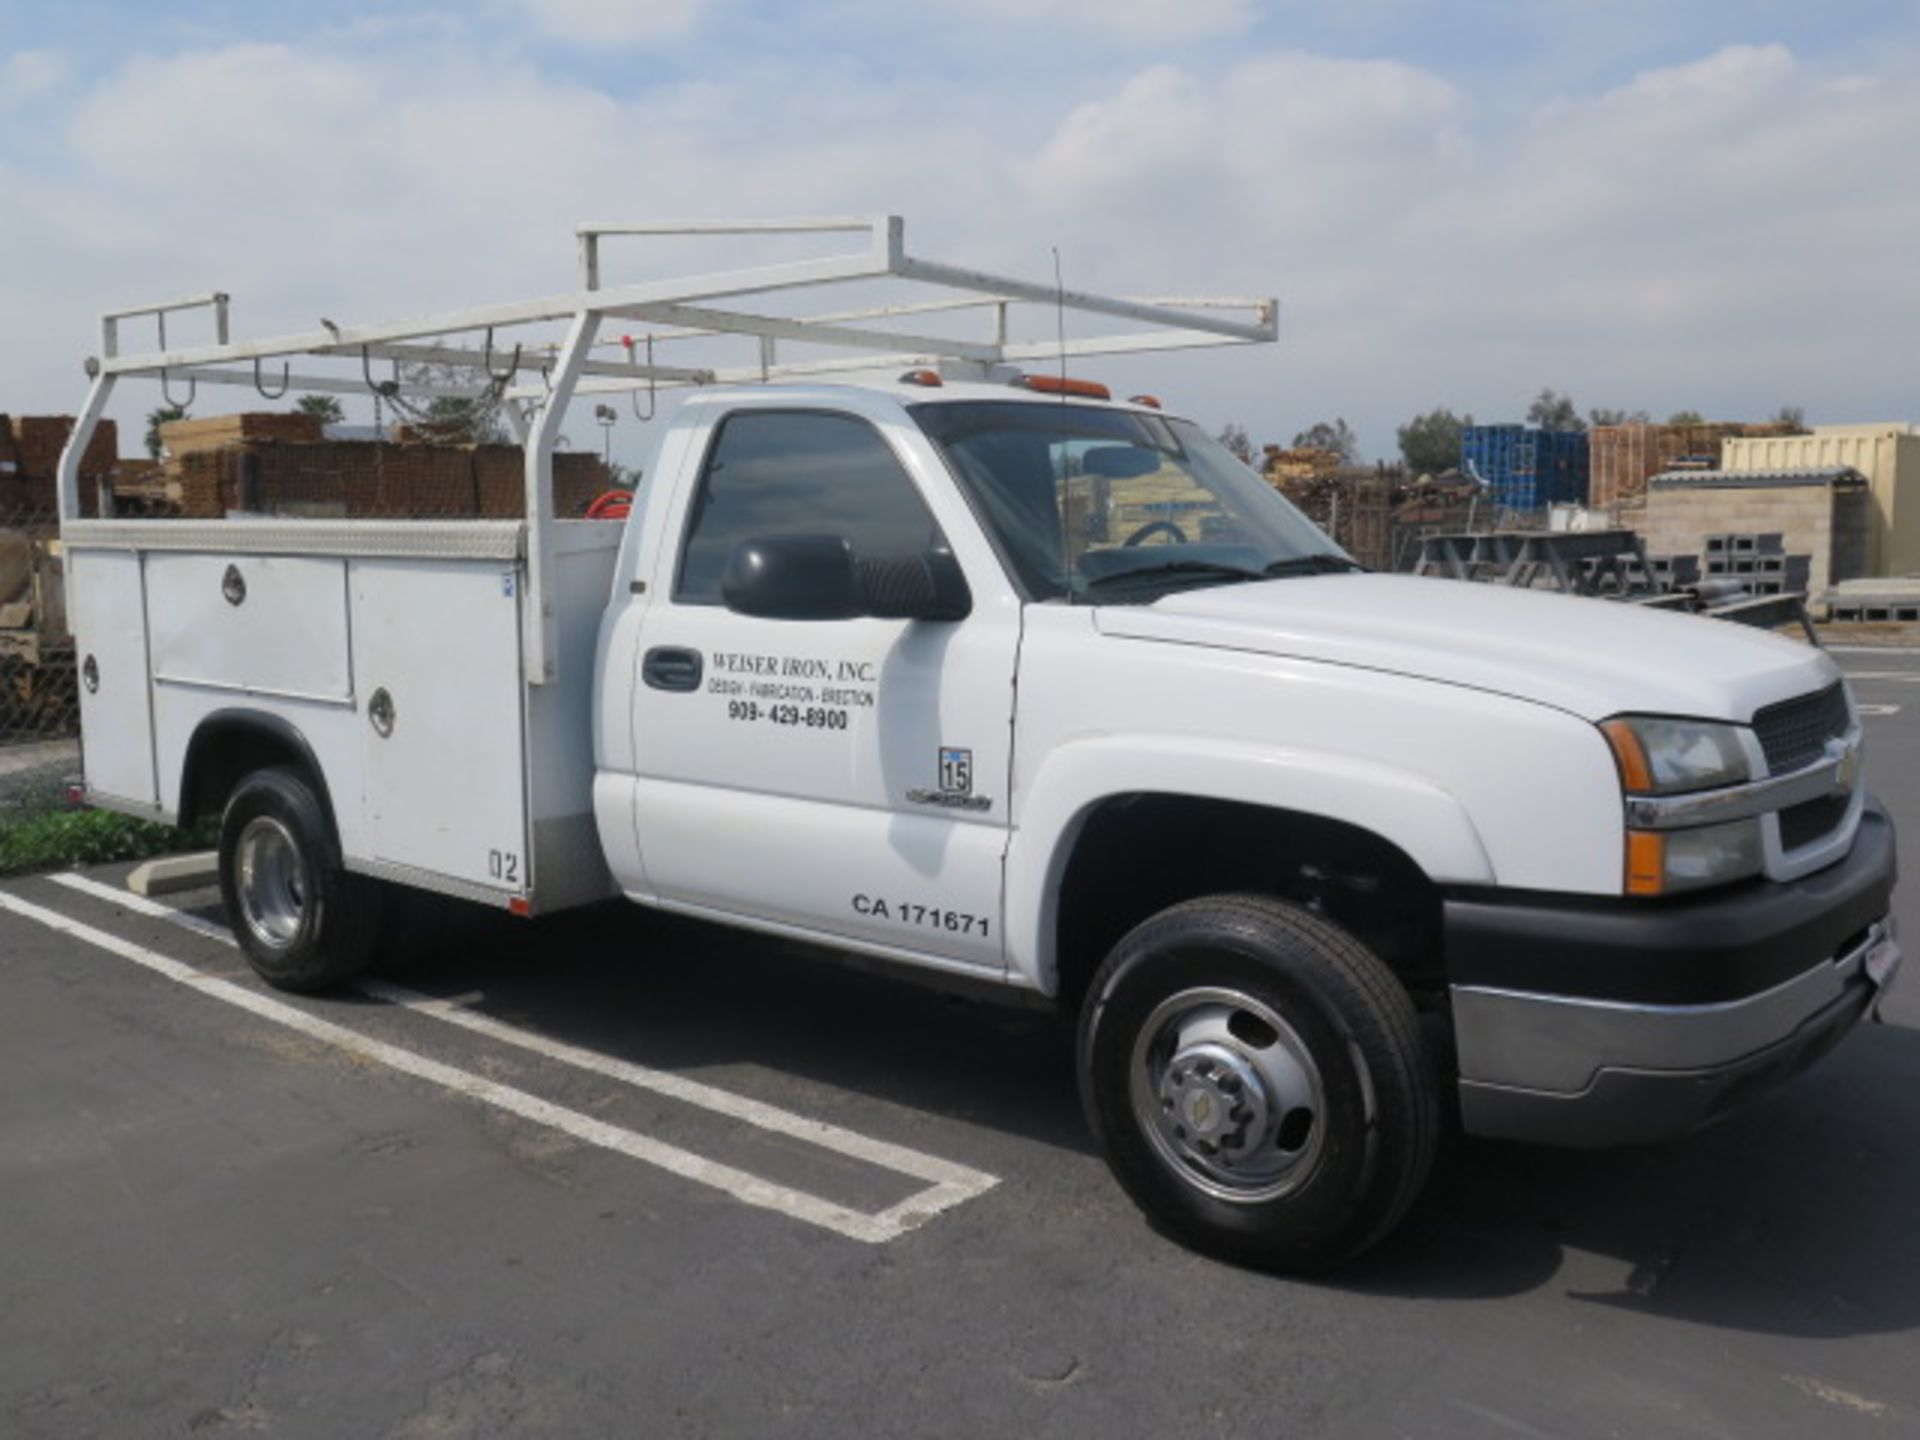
<point x="155" y="419"/>
<point x="326" y="408"/>
<point x="51" y="839"/>
<point x="1430" y="443"/>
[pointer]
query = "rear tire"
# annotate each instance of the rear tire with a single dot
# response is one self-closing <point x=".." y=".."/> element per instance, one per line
<point x="1258" y="1083"/>
<point x="304" y="922"/>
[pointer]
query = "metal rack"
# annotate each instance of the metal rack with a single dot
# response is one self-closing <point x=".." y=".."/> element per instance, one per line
<point x="537" y="382"/>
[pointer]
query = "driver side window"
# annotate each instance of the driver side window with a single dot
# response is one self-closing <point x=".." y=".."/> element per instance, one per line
<point x="799" y="472"/>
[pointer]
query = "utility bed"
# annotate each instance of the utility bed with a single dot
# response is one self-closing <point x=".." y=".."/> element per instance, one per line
<point x="395" y="649"/>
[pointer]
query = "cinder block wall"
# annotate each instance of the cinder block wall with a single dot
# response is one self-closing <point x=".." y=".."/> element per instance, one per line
<point x="1833" y="524"/>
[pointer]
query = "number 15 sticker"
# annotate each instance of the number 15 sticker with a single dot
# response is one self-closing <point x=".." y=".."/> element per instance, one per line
<point x="956" y="771"/>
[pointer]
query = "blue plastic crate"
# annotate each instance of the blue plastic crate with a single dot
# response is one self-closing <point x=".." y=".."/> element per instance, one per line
<point x="1526" y="469"/>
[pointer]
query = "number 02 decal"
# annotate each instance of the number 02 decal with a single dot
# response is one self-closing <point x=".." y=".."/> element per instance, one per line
<point x="504" y="865"/>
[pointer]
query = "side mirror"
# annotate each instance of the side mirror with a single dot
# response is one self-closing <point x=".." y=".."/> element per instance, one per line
<point x="815" y="577"/>
<point x="929" y="586"/>
<point x="793" y="577"/>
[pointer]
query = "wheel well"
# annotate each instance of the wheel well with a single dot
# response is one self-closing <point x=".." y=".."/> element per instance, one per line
<point x="1138" y="854"/>
<point x="231" y="745"/>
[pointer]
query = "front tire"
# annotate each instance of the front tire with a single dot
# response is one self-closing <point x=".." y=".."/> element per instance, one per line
<point x="1258" y="1083"/>
<point x="304" y="922"/>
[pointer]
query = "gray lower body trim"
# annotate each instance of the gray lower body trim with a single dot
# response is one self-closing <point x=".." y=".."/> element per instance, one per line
<point x="428" y="880"/>
<point x="569" y="867"/>
<point x="1561" y="1071"/>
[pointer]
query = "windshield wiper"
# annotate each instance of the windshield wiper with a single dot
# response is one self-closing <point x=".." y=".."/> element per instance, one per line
<point x="1212" y="569"/>
<point x="1317" y="562"/>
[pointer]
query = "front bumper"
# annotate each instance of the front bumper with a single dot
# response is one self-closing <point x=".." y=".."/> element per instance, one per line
<point x="1590" y="1023"/>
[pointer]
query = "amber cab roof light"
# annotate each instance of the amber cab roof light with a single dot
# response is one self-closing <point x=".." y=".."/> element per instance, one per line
<point x="1152" y="402"/>
<point x="1061" y="385"/>
<point x="922" y="377"/>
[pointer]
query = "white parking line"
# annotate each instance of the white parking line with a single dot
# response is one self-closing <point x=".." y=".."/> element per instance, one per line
<point x="117" y="896"/>
<point x="949" y="1185"/>
<point x="953" y="1182"/>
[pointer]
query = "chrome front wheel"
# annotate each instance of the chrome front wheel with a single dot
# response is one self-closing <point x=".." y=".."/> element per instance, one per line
<point x="1258" y="1081"/>
<point x="1228" y="1093"/>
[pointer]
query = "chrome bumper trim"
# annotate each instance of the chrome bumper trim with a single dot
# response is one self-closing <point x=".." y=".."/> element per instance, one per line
<point x="1559" y="1044"/>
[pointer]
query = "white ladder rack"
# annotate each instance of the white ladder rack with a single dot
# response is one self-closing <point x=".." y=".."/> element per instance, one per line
<point x="538" y="381"/>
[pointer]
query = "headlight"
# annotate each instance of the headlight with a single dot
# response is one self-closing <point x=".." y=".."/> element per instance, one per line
<point x="1658" y="756"/>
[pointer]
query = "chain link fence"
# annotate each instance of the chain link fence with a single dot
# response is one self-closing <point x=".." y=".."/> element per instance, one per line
<point x="39" y="699"/>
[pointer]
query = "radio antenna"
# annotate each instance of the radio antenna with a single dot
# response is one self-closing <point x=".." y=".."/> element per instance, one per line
<point x="1066" y="451"/>
<point x="1060" y="319"/>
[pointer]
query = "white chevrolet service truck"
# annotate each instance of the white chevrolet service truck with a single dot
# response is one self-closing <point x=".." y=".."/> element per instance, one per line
<point x="972" y="668"/>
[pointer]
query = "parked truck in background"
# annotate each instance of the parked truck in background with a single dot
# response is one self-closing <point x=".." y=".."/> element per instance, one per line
<point x="976" y="669"/>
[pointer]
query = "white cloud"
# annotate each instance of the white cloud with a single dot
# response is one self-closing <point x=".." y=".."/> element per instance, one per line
<point x="28" y="75"/>
<point x="1728" y="235"/>
<point x="617" y="22"/>
<point x="1159" y="21"/>
<point x="1292" y="141"/>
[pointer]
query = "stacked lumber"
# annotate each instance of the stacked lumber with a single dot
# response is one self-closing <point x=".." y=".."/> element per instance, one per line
<point x="185" y="437"/>
<point x="1305" y="462"/>
<point x="367" y="479"/>
<point x="30" y="458"/>
<point x="1351" y="504"/>
<point x="1622" y="458"/>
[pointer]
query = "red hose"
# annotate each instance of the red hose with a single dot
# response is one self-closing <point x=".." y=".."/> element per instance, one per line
<point x="611" y="505"/>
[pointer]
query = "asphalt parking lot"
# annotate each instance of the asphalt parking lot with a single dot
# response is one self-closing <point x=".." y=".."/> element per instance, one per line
<point x="619" y="1174"/>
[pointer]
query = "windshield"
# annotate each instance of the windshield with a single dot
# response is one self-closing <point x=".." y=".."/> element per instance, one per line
<point x="1114" y="505"/>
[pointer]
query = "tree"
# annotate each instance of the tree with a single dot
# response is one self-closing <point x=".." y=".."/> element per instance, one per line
<point x="326" y="408"/>
<point x="1234" y="437"/>
<point x="460" y="420"/>
<point x="449" y="419"/>
<point x="1792" y="416"/>
<point x="1686" y="417"/>
<point x="1336" y="436"/>
<point x="1430" y="443"/>
<point x="1553" y="411"/>
<point x="157" y="418"/>
<point x="1604" y="416"/>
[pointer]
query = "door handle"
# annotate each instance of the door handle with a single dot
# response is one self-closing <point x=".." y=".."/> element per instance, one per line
<point x="668" y="667"/>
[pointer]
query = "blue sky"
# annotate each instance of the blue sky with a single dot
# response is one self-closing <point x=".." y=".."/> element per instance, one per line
<point x="1699" y="205"/>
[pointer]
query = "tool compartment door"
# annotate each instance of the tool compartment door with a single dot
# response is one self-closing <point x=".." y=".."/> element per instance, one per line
<point x="436" y="665"/>
<point x="263" y="624"/>
<point x="106" y="605"/>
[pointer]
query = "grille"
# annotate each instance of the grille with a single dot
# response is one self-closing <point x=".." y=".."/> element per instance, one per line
<point x="1795" y="732"/>
<point x="1812" y="820"/>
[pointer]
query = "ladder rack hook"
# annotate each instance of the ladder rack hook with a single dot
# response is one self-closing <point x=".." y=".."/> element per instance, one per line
<point x="286" y="380"/>
<point x="653" y="382"/>
<point x="166" y="392"/>
<point x="382" y="389"/>
<point x="500" y="378"/>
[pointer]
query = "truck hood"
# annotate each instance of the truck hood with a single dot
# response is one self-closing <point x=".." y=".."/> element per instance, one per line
<point x="1595" y="658"/>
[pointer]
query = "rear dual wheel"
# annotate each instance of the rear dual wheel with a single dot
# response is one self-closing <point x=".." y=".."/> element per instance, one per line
<point x="303" y="921"/>
<point x="1258" y="1083"/>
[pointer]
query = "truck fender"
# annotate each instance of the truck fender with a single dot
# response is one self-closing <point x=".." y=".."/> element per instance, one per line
<point x="1399" y="806"/>
<point x="270" y="734"/>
